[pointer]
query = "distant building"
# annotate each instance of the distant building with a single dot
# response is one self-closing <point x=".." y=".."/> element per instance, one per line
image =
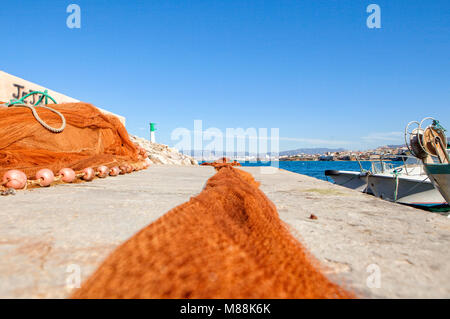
<point x="326" y="158"/>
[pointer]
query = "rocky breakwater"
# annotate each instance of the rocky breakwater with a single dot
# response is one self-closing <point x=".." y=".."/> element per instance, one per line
<point x="161" y="154"/>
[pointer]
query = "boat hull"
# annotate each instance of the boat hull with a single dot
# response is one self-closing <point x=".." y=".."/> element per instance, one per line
<point x="410" y="190"/>
<point x="349" y="179"/>
<point x="416" y="190"/>
<point x="440" y="176"/>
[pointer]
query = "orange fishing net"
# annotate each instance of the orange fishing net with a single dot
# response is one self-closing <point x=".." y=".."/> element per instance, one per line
<point x="91" y="138"/>
<point x="227" y="242"/>
<point x="222" y="162"/>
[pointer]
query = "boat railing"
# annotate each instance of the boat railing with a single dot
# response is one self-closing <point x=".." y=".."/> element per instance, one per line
<point x="410" y="166"/>
<point x="381" y="167"/>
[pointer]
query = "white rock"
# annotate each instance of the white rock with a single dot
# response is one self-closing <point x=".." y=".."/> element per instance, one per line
<point x="161" y="154"/>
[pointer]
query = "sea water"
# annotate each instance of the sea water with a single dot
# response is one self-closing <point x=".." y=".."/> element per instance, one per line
<point x="317" y="168"/>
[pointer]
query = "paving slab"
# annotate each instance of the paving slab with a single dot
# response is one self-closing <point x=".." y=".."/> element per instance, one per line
<point x="376" y="248"/>
<point x="46" y="233"/>
<point x="358" y="236"/>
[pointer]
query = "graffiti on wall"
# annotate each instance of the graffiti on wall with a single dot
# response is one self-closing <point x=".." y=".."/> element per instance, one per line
<point x="20" y="91"/>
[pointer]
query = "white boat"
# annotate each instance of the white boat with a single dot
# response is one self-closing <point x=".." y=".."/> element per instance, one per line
<point x="407" y="184"/>
<point x="430" y="146"/>
<point x="406" y="189"/>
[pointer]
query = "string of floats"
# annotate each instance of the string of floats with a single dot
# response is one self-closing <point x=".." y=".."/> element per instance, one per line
<point x="17" y="179"/>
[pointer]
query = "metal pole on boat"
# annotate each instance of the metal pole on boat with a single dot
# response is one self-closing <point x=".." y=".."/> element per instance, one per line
<point x="360" y="165"/>
<point x="404" y="165"/>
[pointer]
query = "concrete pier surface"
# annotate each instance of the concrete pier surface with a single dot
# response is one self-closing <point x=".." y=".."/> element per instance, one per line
<point x="374" y="247"/>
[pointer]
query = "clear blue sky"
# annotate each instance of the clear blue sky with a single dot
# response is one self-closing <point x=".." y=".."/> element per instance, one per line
<point x="311" y="68"/>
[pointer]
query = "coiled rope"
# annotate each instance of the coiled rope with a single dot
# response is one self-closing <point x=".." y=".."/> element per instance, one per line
<point x="21" y="103"/>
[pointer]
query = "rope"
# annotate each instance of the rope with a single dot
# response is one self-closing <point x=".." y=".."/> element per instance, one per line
<point x="36" y="116"/>
<point x="396" y="173"/>
<point x="21" y="103"/>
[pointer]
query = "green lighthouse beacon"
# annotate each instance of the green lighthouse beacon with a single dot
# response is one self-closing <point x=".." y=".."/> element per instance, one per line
<point x="152" y="132"/>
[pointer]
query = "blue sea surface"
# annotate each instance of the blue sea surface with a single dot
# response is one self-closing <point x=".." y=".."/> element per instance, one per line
<point x="317" y="168"/>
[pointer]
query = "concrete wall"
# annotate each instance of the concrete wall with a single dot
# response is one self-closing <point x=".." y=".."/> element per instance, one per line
<point x="13" y="87"/>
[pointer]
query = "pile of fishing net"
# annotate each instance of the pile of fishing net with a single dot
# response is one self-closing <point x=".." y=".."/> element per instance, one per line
<point x="90" y="138"/>
<point x="224" y="161"/>
<point x="227" y="242"/>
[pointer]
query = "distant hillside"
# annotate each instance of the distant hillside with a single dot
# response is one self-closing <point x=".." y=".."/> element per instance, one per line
<point x="311" y="151"/>
<point x="308" y="151"/>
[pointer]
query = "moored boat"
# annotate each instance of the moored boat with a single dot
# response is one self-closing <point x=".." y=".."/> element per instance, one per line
<point x="407" y="184"/>
<point x="405" y="189"/>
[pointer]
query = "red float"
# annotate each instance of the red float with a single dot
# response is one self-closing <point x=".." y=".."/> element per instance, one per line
<point x="45" y="177"/>
<point x="114" y="171"/>
<point x="89" y="174"/>
<point x="14" y="179"/>
<point x="102" y="171"/>
<point x="67" y="175"/>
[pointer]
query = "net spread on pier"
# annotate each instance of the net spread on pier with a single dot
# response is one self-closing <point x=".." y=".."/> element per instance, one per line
<point x="91" y="138"/>
<point x="227" y="242"/>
